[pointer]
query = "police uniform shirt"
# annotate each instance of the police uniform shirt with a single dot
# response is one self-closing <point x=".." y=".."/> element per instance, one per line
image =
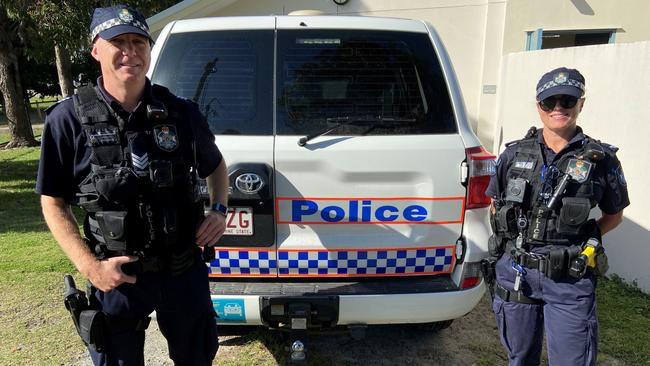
<point x="65" y="158"/>
<point x="610" y="188"/>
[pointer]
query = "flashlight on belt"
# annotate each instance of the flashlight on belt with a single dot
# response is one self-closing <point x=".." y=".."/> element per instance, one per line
<point x="587" y="258"/>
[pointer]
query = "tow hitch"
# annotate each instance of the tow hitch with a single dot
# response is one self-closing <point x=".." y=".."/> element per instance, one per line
<point x="298" y="315"/>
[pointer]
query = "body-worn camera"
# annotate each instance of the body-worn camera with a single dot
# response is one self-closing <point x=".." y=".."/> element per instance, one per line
<point x="516" y="190"/>
<point x="156" y="111"/>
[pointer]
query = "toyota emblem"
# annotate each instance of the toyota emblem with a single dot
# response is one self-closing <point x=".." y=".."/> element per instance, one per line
<point x="249" y="183"/>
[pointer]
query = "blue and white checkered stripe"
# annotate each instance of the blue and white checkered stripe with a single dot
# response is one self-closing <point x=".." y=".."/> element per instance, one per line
<point x="297" y="263"/>
<point x="243" y="262"/>
<point x="377" y="262"/>
<point x="115" y="22"/>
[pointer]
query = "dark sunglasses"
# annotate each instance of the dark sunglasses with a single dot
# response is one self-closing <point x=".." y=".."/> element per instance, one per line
<point x="566" y="102"/>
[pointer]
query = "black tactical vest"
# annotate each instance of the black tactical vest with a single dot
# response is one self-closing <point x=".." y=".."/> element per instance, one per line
<point x="531" y="185"/>
<point x="141" y="193"/>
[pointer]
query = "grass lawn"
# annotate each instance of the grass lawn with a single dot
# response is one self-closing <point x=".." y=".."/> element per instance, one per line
<point x="5" y="137"/>
<point x="36" y="329"/>
<point x="624" y="315"/>
<point x="34" y="326"/>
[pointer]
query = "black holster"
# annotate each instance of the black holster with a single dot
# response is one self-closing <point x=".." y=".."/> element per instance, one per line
<point x="488" y="269"/>
<point x="89" y="321"/>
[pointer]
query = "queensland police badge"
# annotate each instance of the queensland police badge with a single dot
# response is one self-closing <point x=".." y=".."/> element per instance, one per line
<point x="578" y="170"/>
<point x="166" y="137"/>
<point x="125" y="16"/>
<point x="561" y="78"/>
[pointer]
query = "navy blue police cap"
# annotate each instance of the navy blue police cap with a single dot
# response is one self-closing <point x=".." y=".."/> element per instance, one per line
<point x="113" y="21"/>
<point x="561" y="81"/>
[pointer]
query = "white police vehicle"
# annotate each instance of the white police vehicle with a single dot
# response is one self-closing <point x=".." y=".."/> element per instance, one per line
<point x="356" y="181"/>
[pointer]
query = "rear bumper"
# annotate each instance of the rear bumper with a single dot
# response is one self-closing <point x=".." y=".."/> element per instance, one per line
<point x="361" y="308"/>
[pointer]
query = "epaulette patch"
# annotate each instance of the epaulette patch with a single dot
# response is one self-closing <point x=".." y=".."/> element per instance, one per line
<point x="611" y="147"/>
<point x="50" y="108"/>
<point x="187" y="100"/>
<point x="512" y="143"/>
<point x="532" y="131"/>
<point x="621" y="176"/>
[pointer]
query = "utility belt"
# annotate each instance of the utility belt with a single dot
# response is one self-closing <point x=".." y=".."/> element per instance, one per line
<point x="555" y="264"/>
<point x="175" y="263"/>
<point x="488" y="268"/>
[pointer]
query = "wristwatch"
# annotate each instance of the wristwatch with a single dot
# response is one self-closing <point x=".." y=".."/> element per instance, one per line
<point x="218" y="207"/>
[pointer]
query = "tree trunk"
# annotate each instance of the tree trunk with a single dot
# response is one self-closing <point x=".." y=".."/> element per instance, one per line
<point x="63" y="69"/>
<point x="11" y="89"/>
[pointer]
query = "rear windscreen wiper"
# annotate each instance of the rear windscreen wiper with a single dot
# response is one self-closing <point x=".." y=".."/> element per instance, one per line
<point x="371" y="122"/>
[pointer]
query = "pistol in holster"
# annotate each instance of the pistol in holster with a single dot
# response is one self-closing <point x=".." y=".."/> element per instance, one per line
<point x="89" y="322"/>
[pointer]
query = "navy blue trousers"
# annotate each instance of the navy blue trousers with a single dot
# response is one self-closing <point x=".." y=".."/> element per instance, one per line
<point x="567" y="314"/>
<point x="184" y="312"/>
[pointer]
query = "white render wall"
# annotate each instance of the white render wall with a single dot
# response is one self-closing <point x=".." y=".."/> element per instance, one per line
<point x="616" y="111"/>
<point x="627" y="17"/>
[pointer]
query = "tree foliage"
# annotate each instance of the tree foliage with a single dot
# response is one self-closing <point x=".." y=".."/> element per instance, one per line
<point x="63" y="22"/>
<point x="14" y="26"/>
<point x="66" y="23"/>
<point x="30" y="31"/>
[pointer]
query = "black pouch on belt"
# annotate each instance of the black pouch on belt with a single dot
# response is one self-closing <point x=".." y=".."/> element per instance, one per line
<point x="573" y="214"/>
<point x="496" y="245"/>
<point x="113" y="225"/>
<point x="557" y="263"/>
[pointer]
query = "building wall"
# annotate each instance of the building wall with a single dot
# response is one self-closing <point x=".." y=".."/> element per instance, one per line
<point x="617" y="78"/>
<point x="477" y="33"/>
<point x="628" y="17"/>
<point x="488" y="88"/>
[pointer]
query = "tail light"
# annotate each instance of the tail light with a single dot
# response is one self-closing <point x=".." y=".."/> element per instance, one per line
<point x="471" y="275"/>
<point x="481" y="166"/>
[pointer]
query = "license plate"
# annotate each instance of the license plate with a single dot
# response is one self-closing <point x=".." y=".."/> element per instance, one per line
<point x="239" y="221"/>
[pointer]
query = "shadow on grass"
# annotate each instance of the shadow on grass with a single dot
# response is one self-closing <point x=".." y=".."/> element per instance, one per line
<point x="16" y="168"/>
<point x="21" y="212"/>
<point x="20" y="209"/>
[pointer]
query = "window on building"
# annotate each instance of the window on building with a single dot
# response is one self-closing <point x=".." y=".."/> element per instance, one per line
<point x="546" y="39"/>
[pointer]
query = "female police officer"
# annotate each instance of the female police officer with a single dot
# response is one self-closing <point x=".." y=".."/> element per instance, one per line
<point x="544" y="188"/>
<point x="129" y="152"/>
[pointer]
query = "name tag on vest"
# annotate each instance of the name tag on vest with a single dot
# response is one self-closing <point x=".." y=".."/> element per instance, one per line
<point x="103" y="136"/>
<point x="525" y="164"/>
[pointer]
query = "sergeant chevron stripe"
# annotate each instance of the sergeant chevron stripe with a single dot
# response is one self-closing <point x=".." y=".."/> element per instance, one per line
<point x="140" y="162"/>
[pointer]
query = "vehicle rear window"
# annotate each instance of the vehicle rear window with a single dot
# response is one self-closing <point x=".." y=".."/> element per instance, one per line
<point x="330" y="77"/>
<point x="228" y="73"/>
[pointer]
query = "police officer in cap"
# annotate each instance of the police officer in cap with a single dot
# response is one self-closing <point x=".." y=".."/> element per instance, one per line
<point x="543" y="191"/>
<point x="131" y="154"/>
